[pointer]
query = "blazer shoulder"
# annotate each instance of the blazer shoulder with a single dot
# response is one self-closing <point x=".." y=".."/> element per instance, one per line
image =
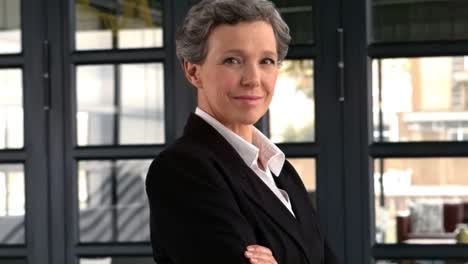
<point x="185" y="151"/>
<point x="184" y="159"/>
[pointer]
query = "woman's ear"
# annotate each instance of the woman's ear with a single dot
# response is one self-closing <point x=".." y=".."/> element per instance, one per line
<point x="192" y="73"/>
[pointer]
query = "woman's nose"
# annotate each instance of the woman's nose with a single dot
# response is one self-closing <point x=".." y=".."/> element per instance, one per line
<point x="250" y="76"/>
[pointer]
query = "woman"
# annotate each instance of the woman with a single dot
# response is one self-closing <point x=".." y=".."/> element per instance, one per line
<point x="223" y="193"/>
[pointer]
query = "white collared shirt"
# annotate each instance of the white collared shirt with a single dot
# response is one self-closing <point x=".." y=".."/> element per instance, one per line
<point x="261" y="149"/>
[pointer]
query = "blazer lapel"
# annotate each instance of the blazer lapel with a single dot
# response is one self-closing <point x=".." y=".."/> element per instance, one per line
<point x="250" y="183"/>
<point x="267" y="201"/>
<point x="303" y="211"/>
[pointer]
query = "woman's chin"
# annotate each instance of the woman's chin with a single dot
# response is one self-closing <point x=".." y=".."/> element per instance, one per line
<point x="250" y="119"/>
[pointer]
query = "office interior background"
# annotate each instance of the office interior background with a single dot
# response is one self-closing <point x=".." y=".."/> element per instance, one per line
<point x="371" y="107"/>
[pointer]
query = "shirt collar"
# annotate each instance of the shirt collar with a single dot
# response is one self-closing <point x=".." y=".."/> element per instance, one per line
<point x="269" y="153"/>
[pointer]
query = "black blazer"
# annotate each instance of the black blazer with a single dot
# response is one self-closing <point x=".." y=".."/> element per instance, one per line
<point x="207" y="206"/>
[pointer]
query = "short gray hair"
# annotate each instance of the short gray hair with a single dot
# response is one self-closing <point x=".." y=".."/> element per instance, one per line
<point x="192" y="35"/>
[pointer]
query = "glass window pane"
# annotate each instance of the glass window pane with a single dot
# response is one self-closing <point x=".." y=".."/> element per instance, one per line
<point x="420" y="200"/>
<point x="112" y="201"/>
<point x="409" y="20"/>
<point x="420" y="99"/>
<point x="11" y="109"/>
<point x="10" y="26"/>
<point x="120" y="105"/>
<point x="142" y="104"/>
<point x="12" y="204"/>
<point x="292" y="110"/>
<point x="118" y="24"/>
<point x="305" y="167"/>
<point x="422" y="261"/>
<point x="117" y="260"/>
<point x="299" y="16"/>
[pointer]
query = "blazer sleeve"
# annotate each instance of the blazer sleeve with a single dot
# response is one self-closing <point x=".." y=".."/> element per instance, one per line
<point x="194" y="217"/>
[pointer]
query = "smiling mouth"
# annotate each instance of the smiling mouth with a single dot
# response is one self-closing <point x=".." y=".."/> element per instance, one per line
<point x="248" y="98"/>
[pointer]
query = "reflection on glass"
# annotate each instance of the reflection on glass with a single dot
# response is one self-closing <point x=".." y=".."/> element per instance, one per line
<point x="127" y="111"/>
<point x="299" y="16"/>
<point x="305" y="167"/>
<point x="421" y="262"/>
<point x="117" y="260"/>
<point x="292" y="110"/>
<point x="115" y="24"/>
<point x="10" y="26"/>
<point x="11" y="109"/>
<point x="12" y="204"/>
<point x="420" y="99"/>
<point x="112" y="201"/>
<point x="409" y="20"/>
<point x="420" y="201"/>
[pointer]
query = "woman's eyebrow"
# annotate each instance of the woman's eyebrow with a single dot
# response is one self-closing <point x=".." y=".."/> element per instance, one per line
<point x="241" y="52"/>
<point x="270" y="53"/>
<point x="234" y="51"/>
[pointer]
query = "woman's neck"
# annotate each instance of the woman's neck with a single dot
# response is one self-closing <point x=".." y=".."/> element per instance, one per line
<point x="244" y="131"/>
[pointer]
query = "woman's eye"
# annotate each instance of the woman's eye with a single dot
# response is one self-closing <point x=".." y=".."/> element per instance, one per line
<point x="232" y="61"/>
<point x="268" y="61"/>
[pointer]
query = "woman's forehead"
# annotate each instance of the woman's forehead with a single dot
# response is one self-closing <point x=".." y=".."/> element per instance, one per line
<point x="237" y="38"/>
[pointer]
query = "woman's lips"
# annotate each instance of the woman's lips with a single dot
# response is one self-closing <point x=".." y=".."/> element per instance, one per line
<point x="248" y="99"/>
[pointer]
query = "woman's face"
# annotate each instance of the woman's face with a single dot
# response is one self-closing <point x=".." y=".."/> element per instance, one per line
<point x="236" y="81"/>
